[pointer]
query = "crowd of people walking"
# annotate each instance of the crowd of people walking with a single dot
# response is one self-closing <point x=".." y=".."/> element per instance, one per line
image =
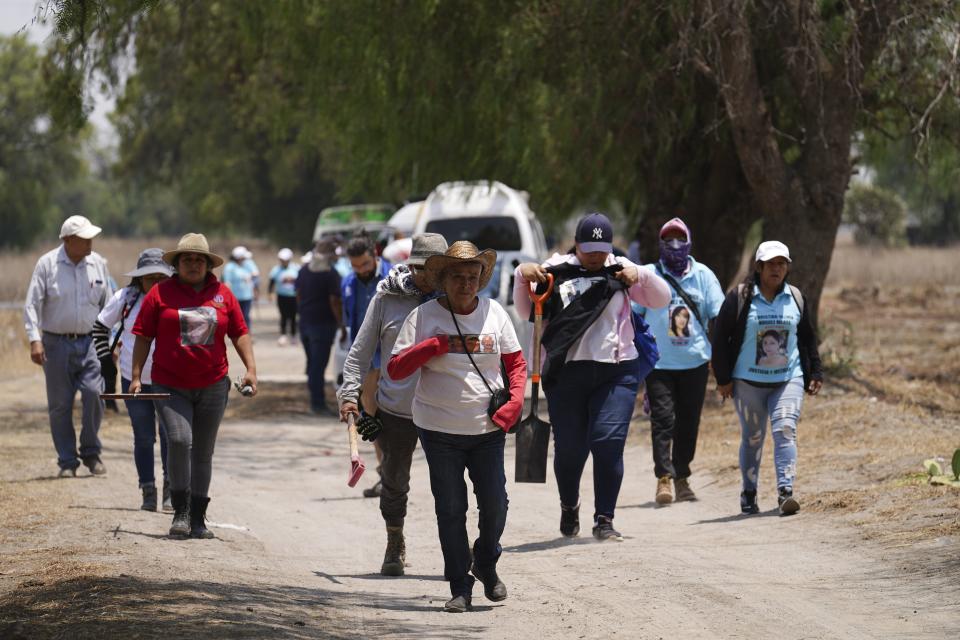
<point x="431" y="360"/>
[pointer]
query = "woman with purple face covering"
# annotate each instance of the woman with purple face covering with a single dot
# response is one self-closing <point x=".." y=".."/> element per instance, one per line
<point x="676" y="387"/>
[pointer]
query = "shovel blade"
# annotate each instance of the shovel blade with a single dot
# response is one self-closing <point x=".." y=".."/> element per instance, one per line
<point x="356" y="470"/>
<point x="533" y="440"/>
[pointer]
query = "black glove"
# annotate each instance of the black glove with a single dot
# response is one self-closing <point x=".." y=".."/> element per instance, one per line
<point x="369" y="427"/>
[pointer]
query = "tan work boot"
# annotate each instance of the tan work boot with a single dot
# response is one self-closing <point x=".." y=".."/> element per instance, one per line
<point x="395" y="557"/>
<point x="664" y="490"/>
<point x="684" y="492"/>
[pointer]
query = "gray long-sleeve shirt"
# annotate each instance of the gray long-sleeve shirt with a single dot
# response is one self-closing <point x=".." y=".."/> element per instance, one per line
<point x="380" y="327"/>
<point x="64" y="297"/>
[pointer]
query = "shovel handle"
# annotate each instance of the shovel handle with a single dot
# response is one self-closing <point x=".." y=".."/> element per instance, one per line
<point x="352" y="433"/>
<point x="538" y="301"/>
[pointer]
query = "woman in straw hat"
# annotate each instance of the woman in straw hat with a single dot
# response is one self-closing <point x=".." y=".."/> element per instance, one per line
<point x="123" y="309"/>
<point x="188" y="316"/>
<point x="459" y="428"/>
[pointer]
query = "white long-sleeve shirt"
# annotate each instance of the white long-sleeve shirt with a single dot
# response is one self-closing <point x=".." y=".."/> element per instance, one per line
<point x="64" y="297"/>
<point x="610" y="337"/>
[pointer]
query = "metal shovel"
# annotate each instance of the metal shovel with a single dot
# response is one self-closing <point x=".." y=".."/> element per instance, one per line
<point x="533" y="434"/>
<point x="356" y="464"/>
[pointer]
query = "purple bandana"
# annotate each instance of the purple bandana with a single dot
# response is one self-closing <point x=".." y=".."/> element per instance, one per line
<point x="673" y="255"/>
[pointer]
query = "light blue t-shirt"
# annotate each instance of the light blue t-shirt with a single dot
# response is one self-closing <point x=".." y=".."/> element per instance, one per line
<point x="769" y="352"/>
<point x="240" y="280"/>
<point x="683" y="343"/>
<point x="285" y="279"/>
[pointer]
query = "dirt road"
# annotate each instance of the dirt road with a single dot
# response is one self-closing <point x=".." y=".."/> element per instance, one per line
<point x="297" y="552"/>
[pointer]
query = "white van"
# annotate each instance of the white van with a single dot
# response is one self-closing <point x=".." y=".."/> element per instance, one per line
<point x="489" y="214"/>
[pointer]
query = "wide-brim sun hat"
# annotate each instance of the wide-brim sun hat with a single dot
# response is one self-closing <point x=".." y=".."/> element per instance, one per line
<point x="772" y="249"/>
<point x="193" y="243"/>
<point x="150" y="262"/>
<point x="461" y="252"/>
<point x="424" y="247"/>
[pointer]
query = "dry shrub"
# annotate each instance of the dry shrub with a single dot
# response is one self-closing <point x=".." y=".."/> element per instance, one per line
<point x="906" y="267"/>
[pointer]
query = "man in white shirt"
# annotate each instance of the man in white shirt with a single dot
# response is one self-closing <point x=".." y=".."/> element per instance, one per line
<point x="69" y="287"/>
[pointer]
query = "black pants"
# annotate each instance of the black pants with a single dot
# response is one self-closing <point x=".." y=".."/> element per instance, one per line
<point x="288" y="314"/>
<point x="108" y="371"/>
<point x="397" y="441"/>
<point x="676" y="399"/>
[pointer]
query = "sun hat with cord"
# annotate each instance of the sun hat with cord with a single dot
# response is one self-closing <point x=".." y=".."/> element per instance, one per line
<point x="193" y="243"/>
<point x="426" y="245"/>
<point x="461" y="252"/>
<point x="150" y="262"/>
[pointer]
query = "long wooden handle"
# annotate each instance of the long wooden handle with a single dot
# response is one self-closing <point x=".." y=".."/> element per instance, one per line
<point x="537" y="324"/>
<point x="352" y="431"/>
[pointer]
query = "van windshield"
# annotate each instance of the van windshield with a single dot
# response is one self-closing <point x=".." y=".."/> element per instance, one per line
<point x="500" y="233"/>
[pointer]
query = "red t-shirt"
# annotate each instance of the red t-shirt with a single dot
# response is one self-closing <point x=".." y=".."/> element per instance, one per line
<point x="189" y="328"/>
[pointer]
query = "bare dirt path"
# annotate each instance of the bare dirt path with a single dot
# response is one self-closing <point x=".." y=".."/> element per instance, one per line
<point x="297" y="552"/>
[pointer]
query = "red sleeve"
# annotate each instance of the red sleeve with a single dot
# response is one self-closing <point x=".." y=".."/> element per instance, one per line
<point x="509" y="414"/>
<point x="403" y="364"/>
<point x="146" y="324"/>
<point x="236" y="327"/>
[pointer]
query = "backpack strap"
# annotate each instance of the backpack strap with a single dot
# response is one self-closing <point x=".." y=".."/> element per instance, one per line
<point x="797" y="297"/>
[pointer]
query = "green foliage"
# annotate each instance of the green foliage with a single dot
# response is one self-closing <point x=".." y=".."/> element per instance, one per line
<point x="35" y="155"/>
<point x="880" y="215"/>
<point x="935" y="473"/>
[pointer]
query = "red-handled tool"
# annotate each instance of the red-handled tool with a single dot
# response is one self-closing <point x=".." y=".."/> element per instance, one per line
<point x="356" y="464"/>
<point x="533" y="434"/>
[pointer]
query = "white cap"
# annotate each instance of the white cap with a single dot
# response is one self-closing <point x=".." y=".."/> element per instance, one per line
<point x="247" y="253"/>
<point x="79" y="226"/>
<point x="307" y="257"/>
<point x="285" y="254"/>
<point x="239" y="253"/>
<point x="772" y="249"/>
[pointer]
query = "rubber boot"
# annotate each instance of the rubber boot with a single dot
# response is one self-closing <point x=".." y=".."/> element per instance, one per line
<point x="198" y="515"/>
<point x="395" y="557"/>
<point x="149" y="492"/>
<point x="181" y="514"/>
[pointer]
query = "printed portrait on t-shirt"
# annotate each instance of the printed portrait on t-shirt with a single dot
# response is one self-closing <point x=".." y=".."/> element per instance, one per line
<point x="772" y="348"/>
<point x="475" y="343"/>
<point x="679" y="322"/>
<point x="572" y="289"/>
<point x="198" y="326"/>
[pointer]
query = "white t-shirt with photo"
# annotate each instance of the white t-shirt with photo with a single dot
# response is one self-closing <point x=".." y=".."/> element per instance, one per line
<point x="451" y="397"/>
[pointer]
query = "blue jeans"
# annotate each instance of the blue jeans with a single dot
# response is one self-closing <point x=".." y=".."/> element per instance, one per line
<point x="590" y="407"/>
<point x="781" y="405"/>
<point x="72" y="365"/>
<point x="143" y="417"/>
<point x="317" y="340"/>
<point x="448" y="455"/>
<point x="245" y="311"/>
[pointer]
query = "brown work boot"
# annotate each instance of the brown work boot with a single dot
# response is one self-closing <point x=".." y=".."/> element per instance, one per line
<point x="395" y="557"/>
<point x="684" y="492"/>
<point x="664" y="490"/>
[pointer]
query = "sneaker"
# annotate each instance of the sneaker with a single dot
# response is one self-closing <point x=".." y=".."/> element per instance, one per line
<point x="395" y="557"/>
<point x="664" y="490"/>
<point x="684" y="492"/>
<point x="788" y="504"/>
<point x="569" y="521"/>
<point x="95" y="465"/>
<point x="149" y="502"/>
<point x="457" y="604"/>
<point x="603" y="530"/>
<point x="67" y="472"/>
<point x="748" y="502"/>
<point x="493" y="586"/>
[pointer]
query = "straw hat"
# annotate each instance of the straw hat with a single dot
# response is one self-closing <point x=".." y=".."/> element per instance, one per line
<point x="193" y="243"/>
<point x="462" y="252"/>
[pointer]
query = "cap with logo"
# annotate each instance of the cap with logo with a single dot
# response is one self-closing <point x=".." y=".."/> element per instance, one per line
<point x="79" y="226"/>
<point x="594" y="233"/>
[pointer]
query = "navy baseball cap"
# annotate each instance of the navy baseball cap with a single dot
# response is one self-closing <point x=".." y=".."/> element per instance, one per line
<point x="594" y="233"/>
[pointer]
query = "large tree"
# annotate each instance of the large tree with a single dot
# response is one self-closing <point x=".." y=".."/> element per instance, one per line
<point x="731" y="111"/>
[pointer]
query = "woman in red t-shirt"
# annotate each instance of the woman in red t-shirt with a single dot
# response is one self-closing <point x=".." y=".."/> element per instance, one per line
<point x="189" y="316"/>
